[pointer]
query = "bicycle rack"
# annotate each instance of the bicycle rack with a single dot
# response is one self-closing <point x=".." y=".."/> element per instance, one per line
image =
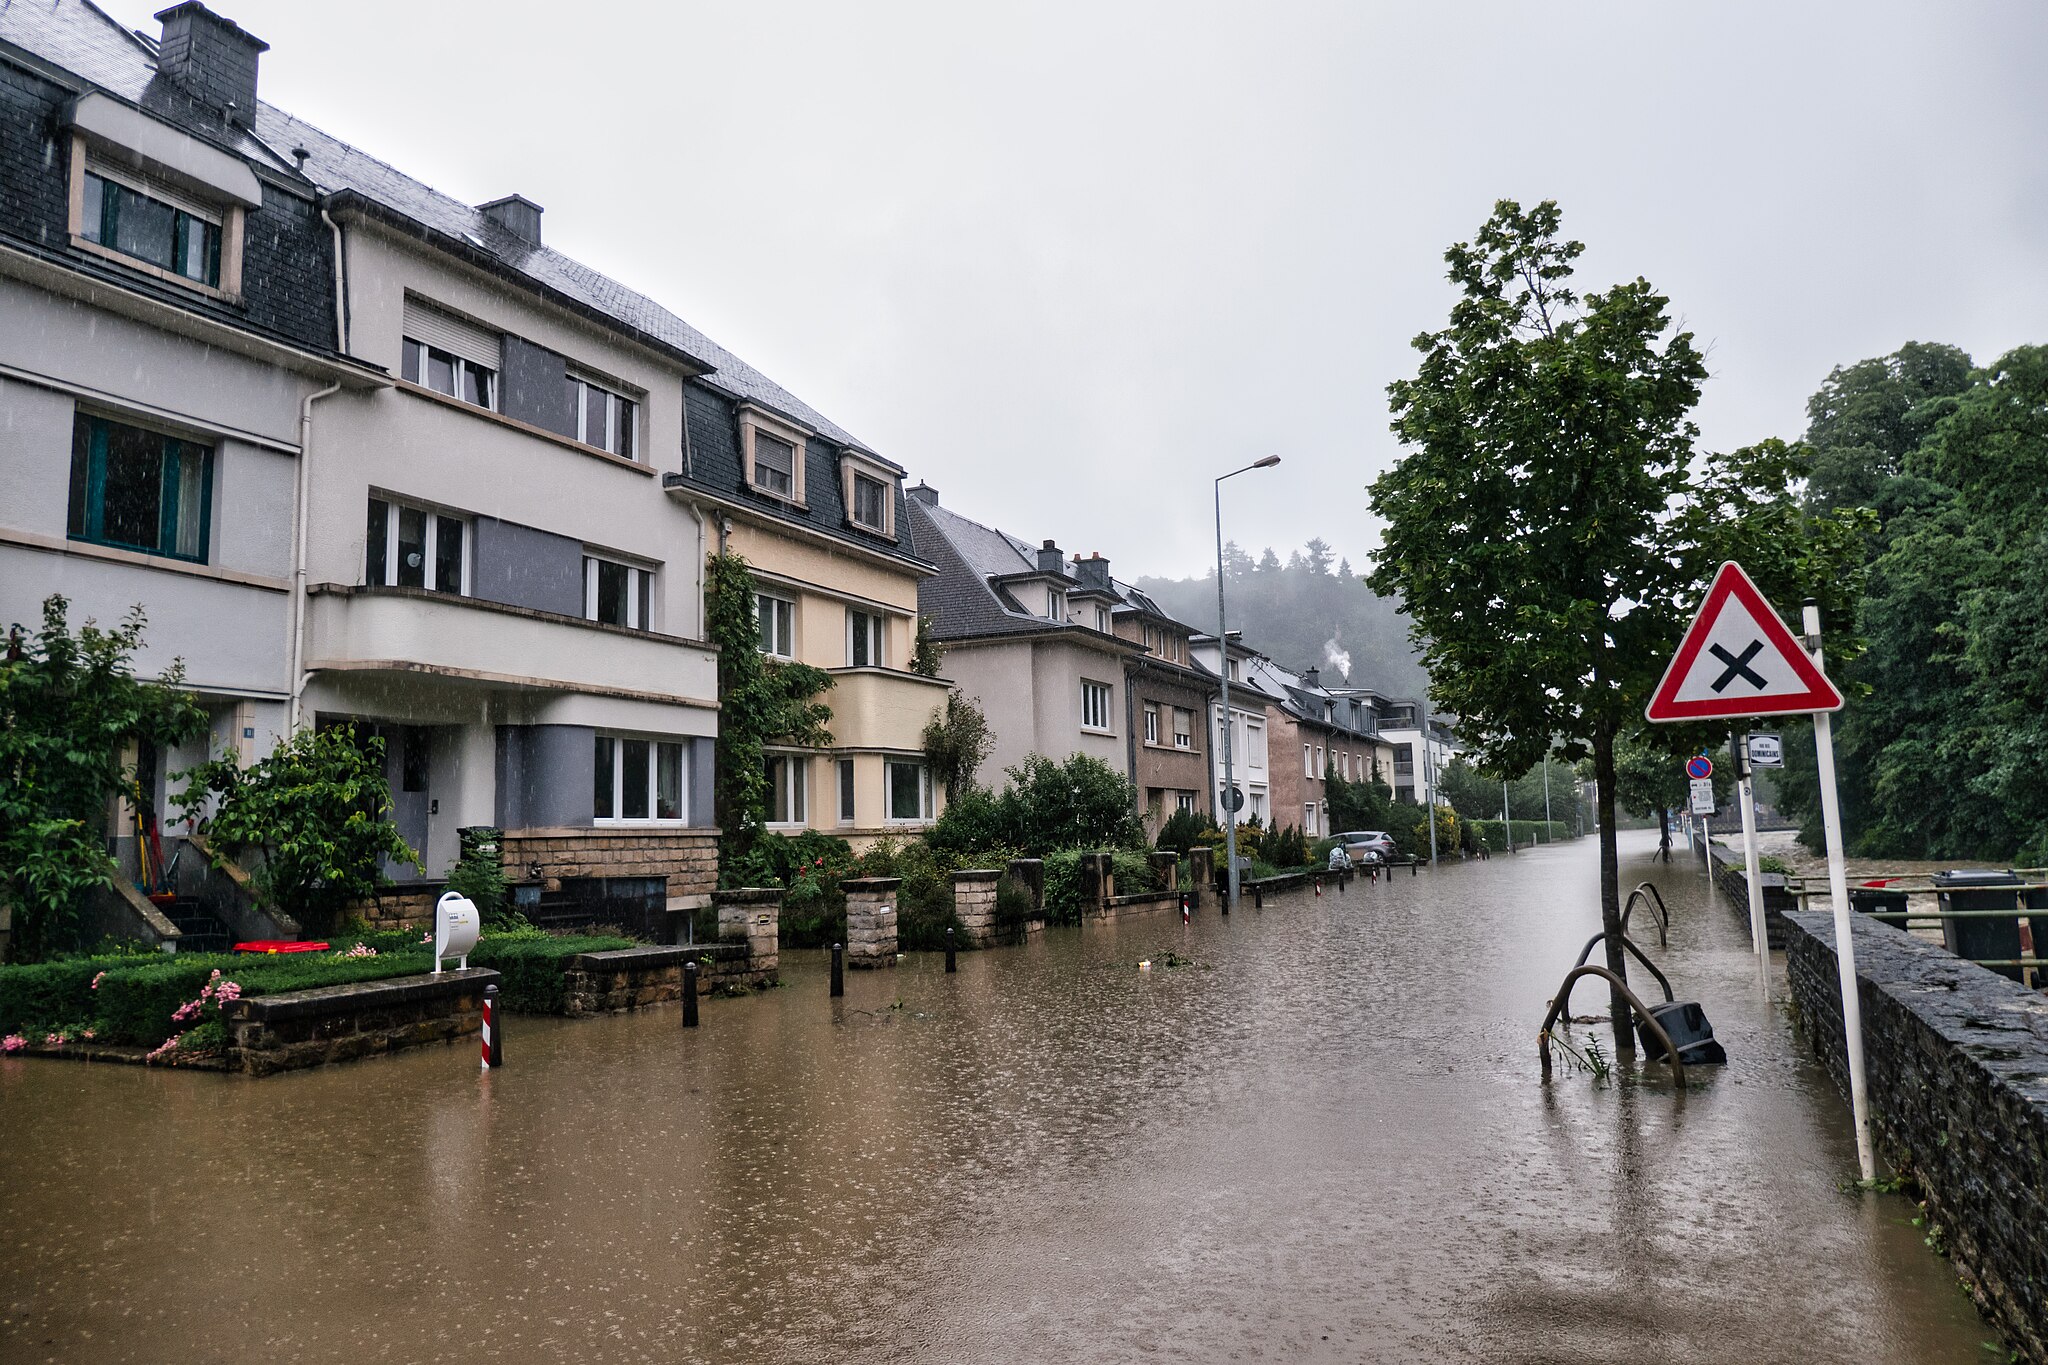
<point x="1564" y="994"/>
<point x="1655" y="900"/>
<point x="1629" y="945"/>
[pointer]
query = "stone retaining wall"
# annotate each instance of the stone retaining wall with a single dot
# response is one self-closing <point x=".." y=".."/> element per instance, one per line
<point x="871" y="921"/>
<point x="633" y="978"/>
<point x="1732" y="876"/>
<point x="1957" y="1064"/>
<point x="272" y="1033"/>
<point x="688" y="858"/>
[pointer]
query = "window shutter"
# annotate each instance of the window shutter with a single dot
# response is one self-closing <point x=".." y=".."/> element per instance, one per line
<point x="770" y="453"/>
<point x="452" y="334"/>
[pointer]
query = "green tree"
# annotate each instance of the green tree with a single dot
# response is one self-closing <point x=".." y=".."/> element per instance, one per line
<point x="956" y="740"/>
<point x="759" y="702"/>
<point x="317" y="808"/>
<point x="1868" y="417"/>
<point x="1080" y="802"/>
<point x="926" y="653"/>
<point x="70" y="707"/>
<point x="1547" y="530"/>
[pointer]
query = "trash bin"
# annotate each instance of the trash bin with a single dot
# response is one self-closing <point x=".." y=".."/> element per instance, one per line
<point x="1993" y="937"/>
<point x="1878" y="896"/>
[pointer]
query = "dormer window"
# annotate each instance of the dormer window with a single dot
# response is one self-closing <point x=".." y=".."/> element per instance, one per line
<point x="134" y="223"/>
<point x="869" y="496"/>
<point x="1055" y="605"/>
<point x="774" y="465"/>
<point x="772" y="452"/>
<point x="869" y="490"/>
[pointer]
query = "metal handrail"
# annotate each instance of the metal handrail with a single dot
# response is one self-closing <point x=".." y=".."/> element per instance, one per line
<point x="1564" y="994"/>
<point x="1663" y="914"/>
<point x="1630" y="945"/>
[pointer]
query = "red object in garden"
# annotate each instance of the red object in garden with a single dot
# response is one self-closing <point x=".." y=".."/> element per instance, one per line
<point x="279" y="945"/>
<point x="1879" y="881"/>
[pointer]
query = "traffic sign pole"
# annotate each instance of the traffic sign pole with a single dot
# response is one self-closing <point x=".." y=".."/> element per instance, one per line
<point x="1760" y="939"/>
<point x="1838" y="888"/>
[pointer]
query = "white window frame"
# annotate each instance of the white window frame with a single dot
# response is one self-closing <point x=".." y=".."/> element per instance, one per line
<point x="874" y="624"/>
<point x="1183" y="735"/>
<point x="1055" y="605"/>
<point x="844" y="779"/>
<point x="639" y="589"/>
<point x="879" y="526"/>
<point x="753" y="423"/>
<point x="434" y="518"/>
<point x="795" y="793"/>
<point x="785" y="618"/>
<point x="656" y="743"/>
<point x="924" y="792"/>
<point x="458" y="366"/>
<point x="1102" y="620"/>
<point x="1184" y="801"/>
<point x="1151" y="722"/>
<point x="1307" y="761"/>
<point x="1095" y="706"/>
<point x="621" y="418"/>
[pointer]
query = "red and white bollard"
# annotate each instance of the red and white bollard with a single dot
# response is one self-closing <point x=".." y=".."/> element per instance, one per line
<point x="1183" y="907"/>
<point x="493" y="1044"/>
<point x="1319" y="887"/>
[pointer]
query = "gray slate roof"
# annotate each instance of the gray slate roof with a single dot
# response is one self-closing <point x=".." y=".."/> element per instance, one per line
<point x="84" y="40"/>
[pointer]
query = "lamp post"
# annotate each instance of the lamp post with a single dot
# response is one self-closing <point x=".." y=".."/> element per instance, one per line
<point x="1223" y="670"/>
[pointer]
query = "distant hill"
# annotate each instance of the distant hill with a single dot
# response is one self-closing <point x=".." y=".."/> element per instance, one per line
<point x="1304" y="613"/>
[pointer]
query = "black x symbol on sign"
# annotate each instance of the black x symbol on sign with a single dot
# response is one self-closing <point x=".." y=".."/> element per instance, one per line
<point x="1738" y="665"/>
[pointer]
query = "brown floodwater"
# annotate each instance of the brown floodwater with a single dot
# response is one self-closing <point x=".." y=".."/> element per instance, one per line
<point x="1326" y="1141"/>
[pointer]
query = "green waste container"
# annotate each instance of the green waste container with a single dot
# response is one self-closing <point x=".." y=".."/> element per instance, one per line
<point x="1989" y="937"/>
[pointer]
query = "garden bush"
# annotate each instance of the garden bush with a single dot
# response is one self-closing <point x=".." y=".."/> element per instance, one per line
<point x="1287" y="848"/>
<point x="1183" y="830"/>
<point x="532" y="968"/>
<point x="1133" y="874"/>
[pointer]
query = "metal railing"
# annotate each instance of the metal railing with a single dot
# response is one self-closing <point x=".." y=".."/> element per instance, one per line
<point x="2034" y="879"/>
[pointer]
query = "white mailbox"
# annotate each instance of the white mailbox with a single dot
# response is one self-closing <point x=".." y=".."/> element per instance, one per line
<point x="455" y="929"/>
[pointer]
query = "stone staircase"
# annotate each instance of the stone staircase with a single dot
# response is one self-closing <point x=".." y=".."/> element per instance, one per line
<point x="198" y="932"/>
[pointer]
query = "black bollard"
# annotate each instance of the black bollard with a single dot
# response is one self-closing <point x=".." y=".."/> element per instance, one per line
<point x="493" y="1040"/>
<point x="838" y="970"/>
<point x="1258" y="898"/>
<point x="690" y="994"/>
<point x="949" y="948"/>
<point x="1414" y="867"/>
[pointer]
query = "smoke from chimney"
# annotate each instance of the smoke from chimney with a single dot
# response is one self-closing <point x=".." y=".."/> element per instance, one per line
<point x="1339" y="657"/>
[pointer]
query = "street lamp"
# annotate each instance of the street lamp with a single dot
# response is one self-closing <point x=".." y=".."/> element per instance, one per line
<point x="1223" y="669"/>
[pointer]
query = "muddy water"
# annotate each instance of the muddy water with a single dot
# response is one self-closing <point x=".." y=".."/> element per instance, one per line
<point x="1326" y="1142"/>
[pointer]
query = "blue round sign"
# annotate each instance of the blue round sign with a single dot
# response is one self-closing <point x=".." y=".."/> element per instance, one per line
<point x="1699" y="767"/>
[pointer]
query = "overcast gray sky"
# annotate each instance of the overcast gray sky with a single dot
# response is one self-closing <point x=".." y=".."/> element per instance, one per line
<point x="1069" y="262"/>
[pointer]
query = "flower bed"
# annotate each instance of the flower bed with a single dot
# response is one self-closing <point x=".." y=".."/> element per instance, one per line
<point x="137" y="1001"/>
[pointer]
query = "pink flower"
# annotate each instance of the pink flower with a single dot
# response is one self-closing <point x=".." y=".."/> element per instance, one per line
<point x="88" y="1035"/>
<point x="13" y="1043"/>
<point x="53" y="1040"/>
<point x="97" y="979"/>
<point x="186" y="1012"/>
<point x="230" y="991"/>
<point x="167" y="1046"/>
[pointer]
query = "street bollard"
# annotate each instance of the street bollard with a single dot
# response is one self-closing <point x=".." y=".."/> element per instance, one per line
<point x="1184" y="907"/>
<point x="1414" y="866"/>
<point x="949" y="948"/>
<point x="690" y="994"/>
<point x="838" y="970"/>
<point x="493" y="1041"/>
<point x="1258" y="898"/>
<point x="1319" y="888"/>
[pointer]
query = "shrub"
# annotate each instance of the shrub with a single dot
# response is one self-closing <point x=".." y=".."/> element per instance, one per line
<point x="1183" y="830"/>
<point x="532" y="968"/>
<point x="479" y="874"/>
<point x="1287" y="848"/>
<point x="1132" y="871"/>
<point x="317" y="807"/>
<point x="1013" y="907"/>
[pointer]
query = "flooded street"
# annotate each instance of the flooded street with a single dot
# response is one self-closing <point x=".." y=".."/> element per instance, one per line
<point x="1327" y="1140"/>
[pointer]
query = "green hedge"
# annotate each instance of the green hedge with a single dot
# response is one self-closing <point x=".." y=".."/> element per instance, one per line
<point x="532" y="967"/>
<point x="1495" y="833"/>
<point x="1132" y="871"/>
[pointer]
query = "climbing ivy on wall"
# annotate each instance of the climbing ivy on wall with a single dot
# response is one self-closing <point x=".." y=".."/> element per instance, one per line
<point x="760" y="701"/>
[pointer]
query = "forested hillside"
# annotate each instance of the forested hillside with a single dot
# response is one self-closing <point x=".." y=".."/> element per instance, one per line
<point x="1308" y="612"/>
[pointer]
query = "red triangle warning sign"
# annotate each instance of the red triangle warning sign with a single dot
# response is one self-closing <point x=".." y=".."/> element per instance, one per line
<point x="1738" y="659"/>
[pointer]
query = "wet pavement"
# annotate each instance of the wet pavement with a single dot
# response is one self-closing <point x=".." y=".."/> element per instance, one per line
<point x="1326" y="1140"/>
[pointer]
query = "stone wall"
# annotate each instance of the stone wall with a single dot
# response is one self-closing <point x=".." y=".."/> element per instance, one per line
<point x="272" y="1033"/>
<point x="688" y="858"/>
<point x="752" y="917"/>
<point x="633" y="978"/>
<point x="871" y="921"/>
<point x="1732" y="876"/>
<point x="1957" y="1062"/>
<point x="974" y="905"/>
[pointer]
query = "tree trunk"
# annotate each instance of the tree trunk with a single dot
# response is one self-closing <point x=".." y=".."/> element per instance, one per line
<point x="1610" y="892"/>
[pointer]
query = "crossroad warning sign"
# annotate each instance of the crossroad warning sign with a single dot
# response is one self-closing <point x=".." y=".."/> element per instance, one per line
<point x="1738" y="659"/>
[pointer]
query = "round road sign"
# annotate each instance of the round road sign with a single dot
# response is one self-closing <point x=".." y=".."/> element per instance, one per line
<point x="1233" y="799"/>
<point x="1699" y="766"/>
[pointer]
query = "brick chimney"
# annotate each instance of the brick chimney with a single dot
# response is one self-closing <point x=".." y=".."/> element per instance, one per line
<point x="1050" y="560"/>
<point x="1093" y="571"/>
<point x="212" y="58"/>
<point x="924" y="493"/>
<point x="516" y="214"/>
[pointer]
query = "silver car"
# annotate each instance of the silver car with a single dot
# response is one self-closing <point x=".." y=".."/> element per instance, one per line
<point x="1367" y="846"/>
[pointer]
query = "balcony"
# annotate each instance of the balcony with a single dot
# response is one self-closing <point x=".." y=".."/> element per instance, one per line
<point x="410" y="630"/>
<point x="882" y="708"/>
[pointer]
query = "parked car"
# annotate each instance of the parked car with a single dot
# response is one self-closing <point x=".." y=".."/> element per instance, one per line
<point x="1367" y="846"/>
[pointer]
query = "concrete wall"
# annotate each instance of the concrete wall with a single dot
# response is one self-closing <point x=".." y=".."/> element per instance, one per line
<point x="1957" y="1062"/>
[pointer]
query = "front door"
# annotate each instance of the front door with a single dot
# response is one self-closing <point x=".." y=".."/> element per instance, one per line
<point x="405" y="768"/>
